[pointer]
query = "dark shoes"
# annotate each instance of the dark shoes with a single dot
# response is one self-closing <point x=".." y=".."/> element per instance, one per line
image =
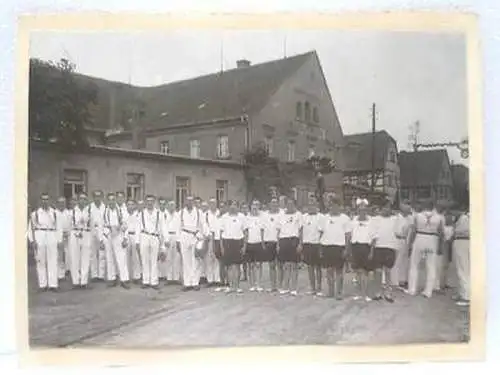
<point x="124" y="285"/>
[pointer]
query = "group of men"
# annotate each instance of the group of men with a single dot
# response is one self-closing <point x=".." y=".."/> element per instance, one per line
<point x="121" y="241"/>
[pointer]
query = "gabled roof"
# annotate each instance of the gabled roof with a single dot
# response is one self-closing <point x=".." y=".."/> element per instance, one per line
<point x="358" y="150"/>
<point x="215" y="96"/>
<point x="422" y="167"/>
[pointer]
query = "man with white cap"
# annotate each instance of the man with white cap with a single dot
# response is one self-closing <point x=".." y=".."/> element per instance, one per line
<point x="115" y="239"/>
<point x="98" y="254"/>
<point x="80" y="242"/>
<point x="148" y="242"/>
<point x="45" y="237"/>
<point x="425" y="244"/>
<point x="190" y="234"/>
<point x="171" y="244"/>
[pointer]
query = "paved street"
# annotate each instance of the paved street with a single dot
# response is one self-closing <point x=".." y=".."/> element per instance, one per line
<point x="115" y="317"/>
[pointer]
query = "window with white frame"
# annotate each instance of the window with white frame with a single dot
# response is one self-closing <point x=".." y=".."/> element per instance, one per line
<point x="268" y="145"/>
<point x="323" y="134"/>
<point x="295" y="194"/>
<point x="135" y="186"/>
<point x="291" y="151"/>
<point x="221" y="191"/>
<point x="165" y="147"/>
<point x="222" y="146"/>
<point x="182" y="190"/>
<point x="307" y="112"/>
<point x="74" y="182"/>
<point x="194" y="148"/>
<point x="311" y="151"/>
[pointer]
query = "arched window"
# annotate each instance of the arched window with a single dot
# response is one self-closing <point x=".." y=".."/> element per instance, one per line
<point x="298" y="110"/>
<point x="307" y="111"/>
<point x="315" y="115"/>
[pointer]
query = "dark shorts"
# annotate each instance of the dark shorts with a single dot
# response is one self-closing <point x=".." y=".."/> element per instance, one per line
<point x="359" y="259"/>
<point x="332" y="256"/>
<point x="384" y="257"/>
<point x="310" y="254"/>
<point x="255" y="252"/>
<point x="217" y="250"/>
<point x="288" y="250"/>
<point x="270" y="254"/>
<point x="232" y="252"/>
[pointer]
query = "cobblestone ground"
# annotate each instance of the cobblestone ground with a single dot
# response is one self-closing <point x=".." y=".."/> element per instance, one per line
<point x="137" y="318"/>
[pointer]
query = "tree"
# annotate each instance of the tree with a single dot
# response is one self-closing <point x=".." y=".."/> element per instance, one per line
<point x="59" y="105"/>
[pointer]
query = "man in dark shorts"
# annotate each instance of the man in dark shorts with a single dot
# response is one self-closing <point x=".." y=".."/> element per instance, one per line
<point x="310" y="245"/>
<point x="384" y="255"/>
<point x="270" y="224"/>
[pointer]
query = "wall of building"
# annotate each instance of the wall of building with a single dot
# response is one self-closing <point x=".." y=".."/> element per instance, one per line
<point x="179" y="140"/>
<point x="278" y="120"/>
<point x="109" y="173"/>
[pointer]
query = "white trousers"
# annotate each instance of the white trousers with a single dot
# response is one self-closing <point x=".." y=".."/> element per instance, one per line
<point x="461" y="260"/>
<point x="134" y="259"/>
<point x="211" y="263"/>
<point x="190" y="263"/>
<point x="399" y="273"/>
<point x="80" y="257"/>
<point x="116" y="258"/>
<point x="173" y="271"/>
<point x="46" y="259"/>
<point x="150" y="246"/>
<point x="424" y="248"/>
<point x="62" y="259"/>
<point x="98" y="264"/>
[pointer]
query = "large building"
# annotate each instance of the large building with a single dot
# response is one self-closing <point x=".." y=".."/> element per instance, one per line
<point x="426" y="175"/>
<point x="368" y="154"/>
<point x="284" y="105"/>
<point x="460" y="175"/>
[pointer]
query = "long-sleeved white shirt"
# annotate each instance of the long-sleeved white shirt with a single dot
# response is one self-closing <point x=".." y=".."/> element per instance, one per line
<point x="97" y="215"/>
<point x="64" y="220"/>
<point x="131" y="221"/>
<point x="80" y="218"/>
<point x="44" y="222"/>
<point x="113" y="222"/>
<point x="149" y="223"/>
<point x="191" y="221"/>
<point x="170" y="225"/>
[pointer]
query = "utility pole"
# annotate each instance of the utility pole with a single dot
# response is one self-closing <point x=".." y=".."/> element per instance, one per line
<point x="415" y="131"/>
<point x="373" y="148"/>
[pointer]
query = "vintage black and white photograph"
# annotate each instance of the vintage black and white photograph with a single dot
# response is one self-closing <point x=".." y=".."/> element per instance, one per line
<point x="247" y="187"/>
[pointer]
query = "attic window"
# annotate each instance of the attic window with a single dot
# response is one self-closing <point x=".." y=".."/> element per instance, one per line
<point x="163" y="114"/>
<point x="202" y="105"/>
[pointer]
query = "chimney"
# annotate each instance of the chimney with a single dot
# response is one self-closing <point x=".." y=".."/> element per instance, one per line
<point x="242" y="63"/>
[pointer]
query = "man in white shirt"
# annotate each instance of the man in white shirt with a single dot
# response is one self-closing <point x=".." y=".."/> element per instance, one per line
<point x="80" y="242"/>
<point x="45" y="237"/>
<point x="98" y="262"/>
<point x="63" y="220"/>
<point x="253" y="225"/>
<point x="162" y="261"/>
<point x="211" y="262"/>
<point x="310" y="245"/>
<point x="425" y="244"/>
<point x="270" y="224"/>
<point x="289" y="247"/>
<point x="461" y="257"/>
<point x="170" y="225"/>
<point x="133" y="255"/>
<point x="399" y="273"/>
<point x="335" y="234"/>
<point x="116" y="243"/>
<point x="148" y="242"/>
<point x="190" y="234"/>
<point x="121" y="202"/>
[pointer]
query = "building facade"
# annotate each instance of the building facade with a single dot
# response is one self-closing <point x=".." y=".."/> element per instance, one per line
<point x="134" y="172"/>
<point x="372" y="153"/>
<point x="426" y="175"/>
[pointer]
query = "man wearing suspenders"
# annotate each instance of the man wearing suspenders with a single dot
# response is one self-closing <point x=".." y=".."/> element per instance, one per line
<point x="191" y="231"/>
<point x="148" y="242"/>
<point x="45" y="237"/>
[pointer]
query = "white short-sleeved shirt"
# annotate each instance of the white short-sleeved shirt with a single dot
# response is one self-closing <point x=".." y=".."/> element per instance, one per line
<point x="448" y="232"/>
<point x="232" y="227"/>
<point x="311" y="228"/>
<point x="334" y="228"/>
<point x="254" y="226"/>
<point x="289" y="225"/>
<point x="270" y="223"/>
<point x="385" y="233"/>
<point x="363" y="232"/>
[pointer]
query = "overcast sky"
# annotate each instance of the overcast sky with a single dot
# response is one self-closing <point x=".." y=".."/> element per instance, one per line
<point x="410" y="76"/>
